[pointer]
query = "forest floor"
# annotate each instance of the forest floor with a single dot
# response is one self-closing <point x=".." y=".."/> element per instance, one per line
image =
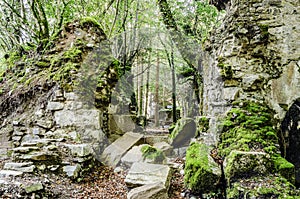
<point x="104" y="183"/>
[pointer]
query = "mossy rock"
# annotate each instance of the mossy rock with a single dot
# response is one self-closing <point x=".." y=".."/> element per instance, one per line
<point x="240" y="164"/>
<point x="153" y="154"/>
<point x="263" y="187"/>
<point x="284" y="168"/>
<point x="184" y="130"/>
<point x="202" y="174"/>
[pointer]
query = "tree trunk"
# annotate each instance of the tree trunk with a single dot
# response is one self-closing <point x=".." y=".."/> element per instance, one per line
<point x="157" y="93"/>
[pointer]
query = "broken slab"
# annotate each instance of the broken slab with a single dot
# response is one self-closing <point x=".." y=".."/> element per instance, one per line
<point x="80" y="150"/>
<point x="26" y="167"/>
<point x="142" y="173"/>
<point x="72" y="171"/>
<point x="133" y="155"/>
<point x="9" y="173"/>
<point x="166" y="148"/>
<point x="112" y="155"/>
<point x="34" y="187"/>
<point x="149" y="191"/>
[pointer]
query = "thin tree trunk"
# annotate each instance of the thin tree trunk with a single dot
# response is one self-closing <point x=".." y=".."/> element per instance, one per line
<point x="147" y="84"/>
<point x="157" y="93"/>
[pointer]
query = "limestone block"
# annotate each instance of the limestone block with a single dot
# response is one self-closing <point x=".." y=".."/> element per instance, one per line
<point x="40" y="156"/>
<point x="72" y="171"/>
<point x="80" y="150"/>
<point x="142" y="173"/>
<point x="231" y="93"/>
<point x="26" y="167"/>
<point x="10" y="173"/>
<point x="83" y="118"/>
<point x="55" y="106"/>
<point x="114" y="152"/>
<point x="34" y="187"/>
<point x="166" y="148"/>
<point x="149" y="191"/>
<point x="133" y="155"/>
<point x="184" y="130"/>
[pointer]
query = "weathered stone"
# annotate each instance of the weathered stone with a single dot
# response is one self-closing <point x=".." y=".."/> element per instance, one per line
<point x="133" y="155"/>
<point x="16" y="138"/>
<point x="10" y="173"/>
<point x="166" y="148"/>
<point x="71" y="96"/>
<point x="231" y="93"/>
<point x="30" y="138"/>
<point x="72" y="171"/>
<point x="83" y="118"/>
<point x="55" y="106"/>
<point x="149" y="191"/>
<point x="48" y="124"/>
<point x="80" y="150"/>
<point x="34" y="187"/>
<point x="121" y="123"/>
<point x="38" y="131"/>
<point x="142" y="173"/>
<point x="40" y="156"/>
<point x="25" y="149"/>
<point x="73" y="105"/>
<point x="152" y="139"/>
<point x="53" y="167"/>
<point x="114" y="152"/>
<point x="184" y="130"/>
<point x="25" y="167"/>
<point x="240" y="164"/>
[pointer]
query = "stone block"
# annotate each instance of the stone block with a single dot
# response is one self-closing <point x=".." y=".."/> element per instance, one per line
<point x="80" y="150"/>
<point x="149" y="191"/>
<point x="10" y="173"/>
<point x="55" y="106"/>
<point x="72" y="171"/>
<point x="114" y="152"/>
<point x="133" y="155"/>
<point x="142" y="173"/>
<point x="34" y="187"/>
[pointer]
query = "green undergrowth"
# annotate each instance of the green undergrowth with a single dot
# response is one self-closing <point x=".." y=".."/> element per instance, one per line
<point x="248" y="126"/>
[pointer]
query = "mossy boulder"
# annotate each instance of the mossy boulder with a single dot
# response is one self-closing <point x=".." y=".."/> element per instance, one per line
<point x="240" y="164"/>
<point x="263" y="187"/>
<point x="202" y="174"/>
<point x="184" y="130"/>
<point x="152" y="154"/>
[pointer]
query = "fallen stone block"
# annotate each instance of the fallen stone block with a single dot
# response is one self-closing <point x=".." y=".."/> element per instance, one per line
<point x="149" y="191"/>
<point x="26" y="167"/>
<point x="112" y="155"/>
<point x="72" y="171"/>
<point x="142" y="173"/>
<point x="34" y="187"/>
<point x="10" y="173"/>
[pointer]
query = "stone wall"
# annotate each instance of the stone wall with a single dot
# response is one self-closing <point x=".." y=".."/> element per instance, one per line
<point x="253" y="55"/>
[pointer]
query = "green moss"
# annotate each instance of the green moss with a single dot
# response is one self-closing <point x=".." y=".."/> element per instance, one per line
<point x="42" y="64"/>
<point x="264" y="32"/>
<point x="88" y="21"/>
<point x="263" y="187"/>
<point x="73" y="54"/>
<point x="284" y="168"/>
<point x="226" y="70"/>
<point x="199" y="175"/>
<point x="248" y="125"/>
<point x="153" y="153"/>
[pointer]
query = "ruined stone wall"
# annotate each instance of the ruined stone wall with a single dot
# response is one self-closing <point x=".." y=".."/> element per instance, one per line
<point x="254" y="55"/>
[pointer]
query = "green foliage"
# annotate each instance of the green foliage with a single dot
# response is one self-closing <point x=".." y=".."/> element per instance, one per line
<point x="152" y="153"/>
